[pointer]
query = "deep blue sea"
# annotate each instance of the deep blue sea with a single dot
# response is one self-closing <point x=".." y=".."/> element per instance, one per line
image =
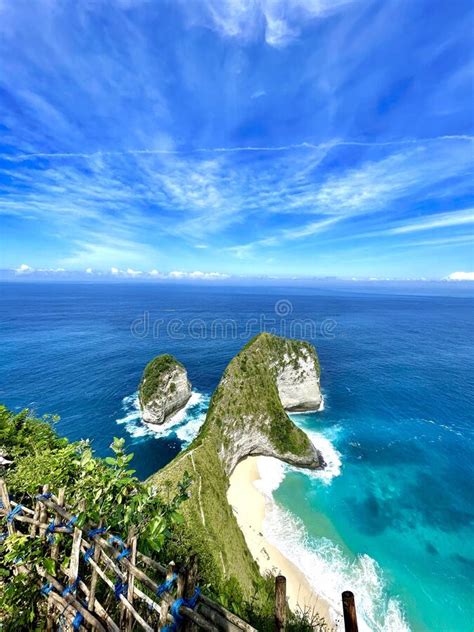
<point x="392" y="519"/>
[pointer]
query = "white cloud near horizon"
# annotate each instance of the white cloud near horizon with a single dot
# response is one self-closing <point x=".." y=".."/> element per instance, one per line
<point x="460" y="276"/>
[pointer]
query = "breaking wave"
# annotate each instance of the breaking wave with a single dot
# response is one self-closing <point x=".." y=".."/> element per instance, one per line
<point x="330" y="571"/>
<point x="184" y="425"/>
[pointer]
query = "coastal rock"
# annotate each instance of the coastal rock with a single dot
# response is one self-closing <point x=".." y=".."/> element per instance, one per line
<point x="298" y="382"/>
<point x="269" y="376"/>
<point x="164" y="389"/>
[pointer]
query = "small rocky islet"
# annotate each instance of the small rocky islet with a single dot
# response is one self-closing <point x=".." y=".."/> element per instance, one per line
<point x="164" y="389"/>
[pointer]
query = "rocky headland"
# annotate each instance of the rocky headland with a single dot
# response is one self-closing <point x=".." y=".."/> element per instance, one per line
<point x="246" y="417"/>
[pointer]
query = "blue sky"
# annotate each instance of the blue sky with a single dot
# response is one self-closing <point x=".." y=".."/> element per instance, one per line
<point x="225" y="137"/>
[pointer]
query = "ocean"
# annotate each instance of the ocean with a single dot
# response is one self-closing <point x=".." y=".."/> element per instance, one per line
<point x="392" y="516"/>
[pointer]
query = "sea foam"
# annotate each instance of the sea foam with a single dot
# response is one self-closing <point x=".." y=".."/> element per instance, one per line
<point x="326" y="566"/>
<point x="185" y="424"/>
<point x="330" y="571"/>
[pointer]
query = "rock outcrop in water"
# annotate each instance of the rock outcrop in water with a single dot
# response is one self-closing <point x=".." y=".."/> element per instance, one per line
<point x="246" y="417"/>
<point x="164" y="389"/>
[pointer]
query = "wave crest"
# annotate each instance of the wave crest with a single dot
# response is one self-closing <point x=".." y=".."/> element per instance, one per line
<point x="330" y="571"/>
<point x="184" y="425"/>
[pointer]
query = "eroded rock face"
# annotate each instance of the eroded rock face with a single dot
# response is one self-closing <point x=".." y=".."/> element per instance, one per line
<point x="271" y="375"/>
<point x="298" y="383"/>
<point x="258" y="444"/>
<point x="164" y="389"/>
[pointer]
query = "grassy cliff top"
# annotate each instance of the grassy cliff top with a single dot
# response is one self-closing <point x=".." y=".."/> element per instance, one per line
<point x="154" y="374"/>
<point x="247" y="397"/>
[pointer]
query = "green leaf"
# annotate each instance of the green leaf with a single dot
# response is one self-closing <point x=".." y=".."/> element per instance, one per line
<point x="49" y="565"/>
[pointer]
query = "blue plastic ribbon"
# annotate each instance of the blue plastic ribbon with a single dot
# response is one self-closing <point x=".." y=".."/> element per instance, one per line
<point x="45" y="496"/>
<point x="50" y="530"/>
<point x="98" y="531"/>
<point x="123" y="554"/>
<point x="46" y="589"/>
<point x="78" y="619"/>
<point x="89" y="553"/>
<point x="120" y="588"/>
<point x="11" y="515"/>
<point x="166" y="586"/>
<point x="189" y="603"/>
<point x="114" y="539"/>
<point x="71" y="588"/>
<point x="70" y="524"/>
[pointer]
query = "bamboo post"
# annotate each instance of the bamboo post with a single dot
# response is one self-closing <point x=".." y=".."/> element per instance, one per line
<point x="43" y="515"/>
<point x="349" y="609"/>
<point x="132" y="546"/>
<point x="36" y="515"/>
<point x="280" y="603"/>
<point x="164" y="605"/>
<point x="75" y="555"/>
<point x="57" y="521"/>
<point x="180" y="583"/>
<point x="94" y="575"/>
<point x="54" y="556"/>
<point x="6" y="505"/>
<point x="189" y="588"/>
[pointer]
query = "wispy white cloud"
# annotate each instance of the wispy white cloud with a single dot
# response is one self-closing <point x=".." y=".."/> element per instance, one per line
<point x="326" y="146"/>
<point x="277" y="22"/>
<point x="164" y="149"/>
<point x="430" y="222"/>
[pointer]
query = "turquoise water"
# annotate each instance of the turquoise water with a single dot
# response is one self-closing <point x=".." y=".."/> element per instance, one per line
<point x="391" y="519"/>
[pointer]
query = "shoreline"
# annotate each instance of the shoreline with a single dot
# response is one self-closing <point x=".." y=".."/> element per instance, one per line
<point x="248" y="504"/>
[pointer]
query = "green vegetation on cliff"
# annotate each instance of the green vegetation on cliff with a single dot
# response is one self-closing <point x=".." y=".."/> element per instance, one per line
<point x="245" y="417"/>
<point x="248" y="393"/>
<point x="108" y="488"/>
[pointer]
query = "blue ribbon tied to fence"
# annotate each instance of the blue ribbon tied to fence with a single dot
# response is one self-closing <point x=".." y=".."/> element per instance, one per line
<point x="46" y="589"/>
<point x="88" y="553"/>
<point x="174" y="610"/>
<point x="71" y="588"/>
<point x="166" y="586"/>
<point x="97" y="531"/>
<point x="114" y="539"/>
<point x="14" y="512"/>
<point x="120" y="588"/>
<point x="77" y="621"/>
<point x="44" y="496"/>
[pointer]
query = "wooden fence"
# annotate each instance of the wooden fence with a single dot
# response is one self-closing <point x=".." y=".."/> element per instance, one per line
<point x="97" y="556"/>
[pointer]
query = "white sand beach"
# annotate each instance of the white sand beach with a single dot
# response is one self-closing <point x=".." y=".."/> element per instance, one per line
<point x="248" y="504"/>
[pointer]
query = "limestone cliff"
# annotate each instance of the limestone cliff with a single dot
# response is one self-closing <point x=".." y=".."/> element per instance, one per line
<point x="164" y="389"/>
<point x="246" y="417"/>
<point x="267" y="376"/>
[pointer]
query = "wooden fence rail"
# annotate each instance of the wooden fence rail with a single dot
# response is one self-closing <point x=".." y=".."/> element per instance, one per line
<point x="99" y="560"/>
